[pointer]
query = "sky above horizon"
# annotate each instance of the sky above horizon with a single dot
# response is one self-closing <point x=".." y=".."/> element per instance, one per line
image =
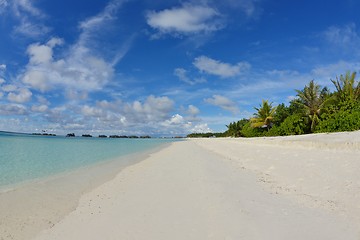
<point x="164" y="67"/>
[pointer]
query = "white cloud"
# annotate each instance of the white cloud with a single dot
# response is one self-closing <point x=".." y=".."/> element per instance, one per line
<point x="342" y="36"/>
<point x="3" y="5"/>
<point x="2" y="81"/>
<point x="247" y="6"/>
<point x="25" y="6"/>
<point x="175" y="119"/>
<point x="30" y="29"/>
<point x="323" y="74"/>
<point x="182" y="75"/>
<point x="2" y="67"/>
<point x="79" y="70"/>
<point x="9" y="88"/>
<point x="147" y="115"/>
<point x="37" y="79"/>
<point x="153" y="109"/>
<point x="98" y="20"/>
<point x="93" y="26"/>
<point x="13" y="109"/>
<point x="192" y="110"/>
<point x="43" y="100"/>
<point x="21" y="96"/>
<point x="223" y="103"/>
<point x="40" y="54"/>
<point x="178" y="125"/>
<point x="28" y="17"/>
<point x="185" y="20"/>
<point x="39" y="108"/>
<point x="201" y="128"/>
<point x="215" y="67"/>
<point x="92" y="111"/>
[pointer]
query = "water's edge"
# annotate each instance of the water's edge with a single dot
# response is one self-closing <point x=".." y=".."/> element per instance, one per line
<point x="31" y="207"/>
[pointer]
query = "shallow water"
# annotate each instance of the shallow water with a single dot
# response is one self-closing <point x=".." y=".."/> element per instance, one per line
<point x="26" y="157"/>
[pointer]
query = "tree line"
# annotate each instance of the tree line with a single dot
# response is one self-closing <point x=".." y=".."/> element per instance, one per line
<point x="314" y="110"/>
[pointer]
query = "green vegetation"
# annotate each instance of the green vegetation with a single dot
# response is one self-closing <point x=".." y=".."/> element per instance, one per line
<point x="205" y="135"/>
<point x="312" y="100"/>
<point x="315" y="109"/>
<point x="264" y="116"/>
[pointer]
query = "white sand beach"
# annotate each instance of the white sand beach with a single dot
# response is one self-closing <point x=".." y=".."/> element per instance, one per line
<point x="301" y="187"/>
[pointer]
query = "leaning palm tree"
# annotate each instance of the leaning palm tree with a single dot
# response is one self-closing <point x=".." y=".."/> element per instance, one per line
<point x="264" y="116"/>
<point x="312" y="99"/>
<point x="347" y="88"/>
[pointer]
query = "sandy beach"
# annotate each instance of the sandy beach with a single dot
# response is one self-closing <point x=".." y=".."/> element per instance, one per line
<point x="301" y="187"/>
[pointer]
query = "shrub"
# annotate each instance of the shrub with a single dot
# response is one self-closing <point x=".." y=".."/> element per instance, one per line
<point x="292" y="125"/>
<point x="249" y="131"/>
<point x="342" y="120"/>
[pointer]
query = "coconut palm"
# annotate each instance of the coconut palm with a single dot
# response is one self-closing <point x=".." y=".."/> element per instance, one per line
<point x="312" y="99"/>
<point x="347" y="88"/>
<point x="264" y="116"/>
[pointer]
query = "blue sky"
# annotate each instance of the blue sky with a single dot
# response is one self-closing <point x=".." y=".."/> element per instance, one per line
<point x="164" y="67"/>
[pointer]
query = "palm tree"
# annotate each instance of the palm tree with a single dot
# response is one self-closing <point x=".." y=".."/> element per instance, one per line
<point x="312" y="98"/>
<point x="347" y="88"/>
<point x="264" y="115"/>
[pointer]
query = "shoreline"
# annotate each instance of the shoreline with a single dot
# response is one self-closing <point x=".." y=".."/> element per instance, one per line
<point x="261" y="188"/>
<point x="224" y="189"/>
<point x="29" y="207"/>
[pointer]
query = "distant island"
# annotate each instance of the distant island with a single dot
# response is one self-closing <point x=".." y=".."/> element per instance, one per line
<point x="44" y="134"/>
<point x="105" y="136"/>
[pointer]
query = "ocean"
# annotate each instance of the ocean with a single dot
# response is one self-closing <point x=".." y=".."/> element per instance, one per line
<point x="25" y="158"/>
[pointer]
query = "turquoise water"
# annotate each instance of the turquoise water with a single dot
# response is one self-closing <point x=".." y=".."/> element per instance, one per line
<point x="24" y="158"/>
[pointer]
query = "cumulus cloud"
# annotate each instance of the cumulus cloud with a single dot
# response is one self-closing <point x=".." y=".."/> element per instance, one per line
<point x="13" y="109"/>
<point x="92" y="111"/>
<point x="9" y="88"/>
<point x="223" y="70"/>
<point x="152" y="116"/>
<point x="182" y="75"/>
<point x="177" y="124"/>
<point x="2" y="67"/>
<point x="20" y="96"/>
<point x="119" y="114"/>
<point x="201" y="128"/>
<point x="153" y="109"/>
<point x="41" y="54"/>
<point x="39" y="108"/>
<point x="223" y="103"/>
<point x="79" y="70"/>
<point x="175" y="120"/>
<point x="192" y="110"/>
<point x="187" y="19"/>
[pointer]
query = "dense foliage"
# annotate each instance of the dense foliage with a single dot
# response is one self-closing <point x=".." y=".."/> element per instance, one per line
<point x="205" y="135"/>
<point x="315" y="109"/>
